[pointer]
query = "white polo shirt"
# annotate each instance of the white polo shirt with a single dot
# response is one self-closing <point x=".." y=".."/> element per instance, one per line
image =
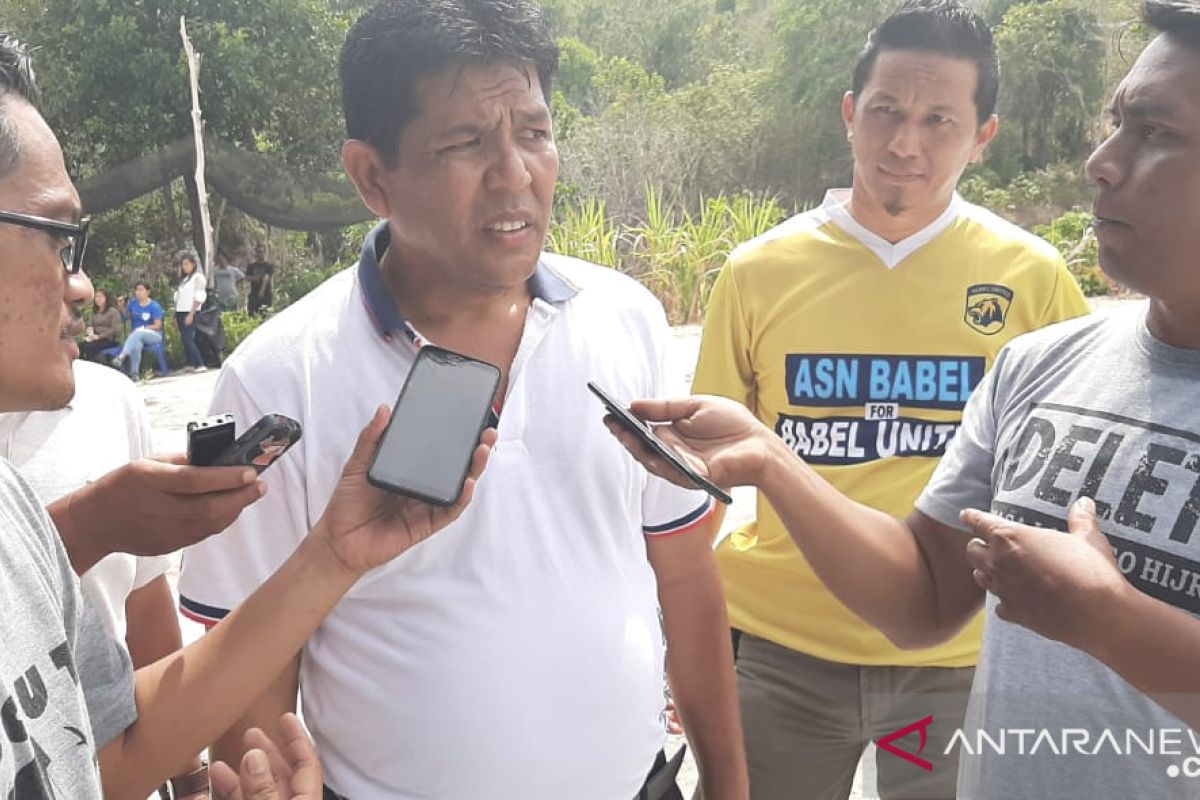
<point x="105" y="426"/>
<point x="518" y="653"/>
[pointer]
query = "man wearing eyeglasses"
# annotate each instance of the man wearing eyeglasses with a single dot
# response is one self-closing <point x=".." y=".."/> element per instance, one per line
<point x="68" y="697"/>
<point x="72" y="234"/>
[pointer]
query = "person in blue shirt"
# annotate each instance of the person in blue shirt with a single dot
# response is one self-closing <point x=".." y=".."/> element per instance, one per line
<point x="146" y="323"/>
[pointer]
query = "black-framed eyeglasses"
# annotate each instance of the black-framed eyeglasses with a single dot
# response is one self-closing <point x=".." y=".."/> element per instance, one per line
<point x="75" y="233"/>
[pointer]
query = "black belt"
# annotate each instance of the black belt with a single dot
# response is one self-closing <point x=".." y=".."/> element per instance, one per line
<point x="660" y="783"/>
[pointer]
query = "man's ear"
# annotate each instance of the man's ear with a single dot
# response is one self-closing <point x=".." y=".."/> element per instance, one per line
<point x="984" y="136"/>
<point x="848" y="106"/>
<point x="366" y="169"/>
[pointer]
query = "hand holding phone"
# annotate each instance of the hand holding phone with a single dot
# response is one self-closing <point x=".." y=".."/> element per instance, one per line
<point x="645" y="433"/>
<point x="436" y="425"/>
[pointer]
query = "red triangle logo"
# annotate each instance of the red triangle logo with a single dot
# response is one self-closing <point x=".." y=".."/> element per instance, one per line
<point x="886" y="743"/>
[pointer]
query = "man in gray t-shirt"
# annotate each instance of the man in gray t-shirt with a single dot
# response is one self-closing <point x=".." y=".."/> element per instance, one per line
<point x="1042" y="432"/>
<point x="57" y="645"/>
<point x="1088" y="684"/>
<point x="226" y="278"/>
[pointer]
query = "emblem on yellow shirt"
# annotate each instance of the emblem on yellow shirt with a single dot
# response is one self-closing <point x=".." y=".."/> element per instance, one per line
<point x="987" y="307"/>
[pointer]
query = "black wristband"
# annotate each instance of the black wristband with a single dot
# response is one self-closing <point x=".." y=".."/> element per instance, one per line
<point x="184" y="785"/>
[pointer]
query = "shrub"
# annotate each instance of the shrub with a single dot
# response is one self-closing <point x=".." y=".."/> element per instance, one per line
<point x="1031" y="198"/>
<point x="702" y="139"/>
<point x="1072" y="234"/>
<point x="295" y="281"/>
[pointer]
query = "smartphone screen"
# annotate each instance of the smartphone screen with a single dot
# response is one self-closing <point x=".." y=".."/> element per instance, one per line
<point x="645" y="432"/>
<point x="435" y="427"/>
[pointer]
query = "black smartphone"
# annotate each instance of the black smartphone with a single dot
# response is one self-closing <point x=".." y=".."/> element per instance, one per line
<point x="643" y="431"/>
<point x="436" y="424"/>
<point x="267" y="440"/>
<point x="208" y="438"/>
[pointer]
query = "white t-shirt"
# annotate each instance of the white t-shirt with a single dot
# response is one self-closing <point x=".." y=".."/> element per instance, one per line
<point x="104" y="427"/>
<point x="518" y="653"/>
<point x="191" y="292"/>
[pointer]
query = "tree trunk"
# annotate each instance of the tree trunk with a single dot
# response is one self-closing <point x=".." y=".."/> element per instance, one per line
<point x="201" y="233"/>
<point x="197" y="214"/>
<point x="216" y="240"/>
<point x="172" y="213"/>
<point x="329" y="240"/>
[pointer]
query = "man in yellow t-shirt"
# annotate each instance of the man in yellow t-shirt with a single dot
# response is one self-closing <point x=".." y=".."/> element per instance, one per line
<point x="858" y="331"/>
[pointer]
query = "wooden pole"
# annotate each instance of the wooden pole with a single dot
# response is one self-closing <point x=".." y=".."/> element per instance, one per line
<point x="198" y="130"/>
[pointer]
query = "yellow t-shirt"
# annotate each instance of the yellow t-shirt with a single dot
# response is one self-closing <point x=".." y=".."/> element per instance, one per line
<point x="860" y="354"/>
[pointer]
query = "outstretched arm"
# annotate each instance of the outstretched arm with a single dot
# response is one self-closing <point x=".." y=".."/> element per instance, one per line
<point x="210" y="682"/>
<point x="177" y="505"/>
<point x="152" y="633"/>
<point x="908" y="578"/>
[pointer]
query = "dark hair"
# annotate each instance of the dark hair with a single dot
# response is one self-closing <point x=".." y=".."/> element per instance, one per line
<point x="16" y="78"/>
<point x="944" y="27"/>
<point x="1179" y="19"/>
<point x="108" y="301"/>
<point x="142" y="284"/>
<point x="192" y="257"/>
<point x="398" y="42"/>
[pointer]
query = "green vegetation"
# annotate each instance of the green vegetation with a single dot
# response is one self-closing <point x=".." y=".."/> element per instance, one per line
<point x="238" y="325"/>
<point x="677" y="254"/>
<point x="1072" y="235"/>
<point x="685" y="126"/>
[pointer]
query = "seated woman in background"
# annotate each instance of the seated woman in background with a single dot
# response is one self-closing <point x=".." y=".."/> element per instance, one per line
<point x="146" y="319"/>
<point x="105" y="328"/>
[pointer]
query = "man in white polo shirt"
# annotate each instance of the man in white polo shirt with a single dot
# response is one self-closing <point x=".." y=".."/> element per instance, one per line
<point x="521" y="654"/>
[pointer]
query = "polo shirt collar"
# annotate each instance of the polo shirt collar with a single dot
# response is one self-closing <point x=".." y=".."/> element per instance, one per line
<point x="545" y="284"/>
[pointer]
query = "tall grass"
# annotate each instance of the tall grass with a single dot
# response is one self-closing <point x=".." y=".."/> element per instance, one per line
<point x="672" y="251"/>
<point x="586" y="232"/>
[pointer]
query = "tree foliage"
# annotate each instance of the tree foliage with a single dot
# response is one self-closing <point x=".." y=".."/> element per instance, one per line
<point x="115" y="88"/>
<point x="1053" y="82"/>
<point x="268" y="77"/>
<point x="658" y="101"/>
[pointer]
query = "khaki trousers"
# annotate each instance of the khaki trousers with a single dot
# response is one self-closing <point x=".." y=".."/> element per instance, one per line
<point x="808" y="721"/>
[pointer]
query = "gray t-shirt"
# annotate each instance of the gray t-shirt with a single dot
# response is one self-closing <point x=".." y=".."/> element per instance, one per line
<point x="66" y="688"/>
<point x="226" y="280"/>
<point x="1095" y="407"/>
